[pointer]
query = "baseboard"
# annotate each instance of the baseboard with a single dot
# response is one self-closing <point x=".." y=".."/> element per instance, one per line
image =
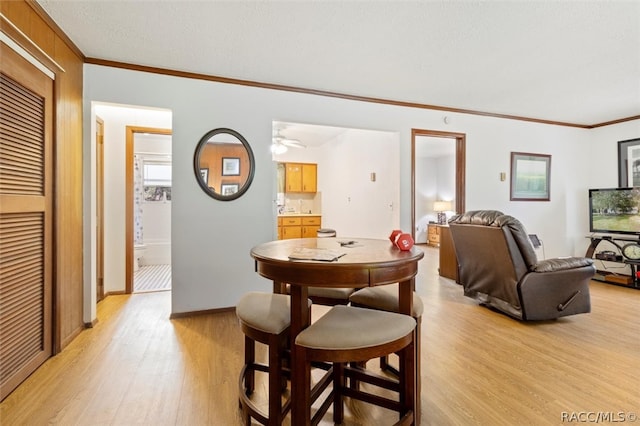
<point x="91" y="324"/>
<point x="176" y="315"/>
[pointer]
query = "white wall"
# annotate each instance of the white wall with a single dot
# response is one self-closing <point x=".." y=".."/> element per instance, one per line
<point x="212" y="239"/>
<point x="353" y="204"/>
<point x="446" y="178"/>
<point x="350" y="203"/>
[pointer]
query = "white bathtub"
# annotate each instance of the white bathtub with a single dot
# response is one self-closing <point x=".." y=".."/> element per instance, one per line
<point x="158" y="252"/>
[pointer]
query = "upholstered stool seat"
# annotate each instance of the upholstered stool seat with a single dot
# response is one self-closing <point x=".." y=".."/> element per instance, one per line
<point x="265" y="311"/>
<point x="264" y="318"/>
<point x="385" y="298"/>
<point x="329" y="296"/>
<point x="349" y="334"/>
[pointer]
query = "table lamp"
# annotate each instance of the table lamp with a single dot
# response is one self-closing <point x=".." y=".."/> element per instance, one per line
<point x="441" y="207"/>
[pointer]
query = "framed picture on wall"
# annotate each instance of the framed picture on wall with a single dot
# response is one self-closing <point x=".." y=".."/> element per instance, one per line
<point x="229" y="188"/>
<point x="530" y="176"/>
<point x="204" y="174"/>
<point x="230" y="166"/>
<point x="629" y="163"/>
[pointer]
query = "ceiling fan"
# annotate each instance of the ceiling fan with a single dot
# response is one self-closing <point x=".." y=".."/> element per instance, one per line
<point x="281" y="143"/>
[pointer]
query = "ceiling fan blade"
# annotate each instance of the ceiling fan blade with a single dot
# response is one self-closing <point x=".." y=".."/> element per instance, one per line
<point x="293" y="143"/>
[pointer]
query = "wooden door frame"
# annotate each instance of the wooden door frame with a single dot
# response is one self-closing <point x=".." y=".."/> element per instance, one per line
<point x="99" y="209"/>
<point x="460" y="139"/>
<point x="129" y="149"/>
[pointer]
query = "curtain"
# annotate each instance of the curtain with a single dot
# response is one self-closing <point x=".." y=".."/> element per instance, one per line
<point x="138" y="198"/>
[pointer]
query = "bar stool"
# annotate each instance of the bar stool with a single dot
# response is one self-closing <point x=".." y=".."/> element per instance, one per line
<point x="347" y="334"/>
<point x="264" y="318"/>
<point x="325" y="233"/>
<point x="326" y="295"/>
<point x="385" y="298"/>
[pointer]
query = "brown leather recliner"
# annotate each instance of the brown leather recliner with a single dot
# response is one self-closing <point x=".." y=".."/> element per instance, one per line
<point x="499" y="268"/>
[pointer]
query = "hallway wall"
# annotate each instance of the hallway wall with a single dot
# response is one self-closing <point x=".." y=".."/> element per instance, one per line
<point x="212" y="240"/>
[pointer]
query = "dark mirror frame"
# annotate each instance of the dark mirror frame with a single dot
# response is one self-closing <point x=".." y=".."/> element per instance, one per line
<point x="196" y="165"/>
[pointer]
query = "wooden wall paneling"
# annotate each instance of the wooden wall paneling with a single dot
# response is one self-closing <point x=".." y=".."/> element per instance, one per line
<point x="19" y="13"/>
<point x="211" y="158"/>
<point x="68" y="182"/>
<point x="44" y="40"/>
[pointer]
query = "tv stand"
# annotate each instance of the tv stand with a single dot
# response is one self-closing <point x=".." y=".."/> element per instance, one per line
<point x="630" y="281"/>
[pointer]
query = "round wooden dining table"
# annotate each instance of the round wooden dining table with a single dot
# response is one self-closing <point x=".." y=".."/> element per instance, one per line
<point x="360" y="263"/>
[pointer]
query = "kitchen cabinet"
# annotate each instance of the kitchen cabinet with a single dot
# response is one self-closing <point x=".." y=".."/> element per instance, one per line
<point x="310" y="226"/>
<point x="304" y="226"/>
<point x="301" y="177"/>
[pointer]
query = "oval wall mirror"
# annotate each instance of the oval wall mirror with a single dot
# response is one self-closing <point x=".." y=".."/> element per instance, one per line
<point x="224" y="164"/>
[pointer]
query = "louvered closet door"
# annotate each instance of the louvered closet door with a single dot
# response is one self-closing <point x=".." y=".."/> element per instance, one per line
<point x="25" y="219"/>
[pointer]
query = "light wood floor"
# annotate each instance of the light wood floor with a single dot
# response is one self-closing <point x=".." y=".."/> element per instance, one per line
<point x="478" y="366"/>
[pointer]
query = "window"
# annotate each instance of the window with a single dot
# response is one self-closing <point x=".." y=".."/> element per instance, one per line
<point x="157" y="180"/>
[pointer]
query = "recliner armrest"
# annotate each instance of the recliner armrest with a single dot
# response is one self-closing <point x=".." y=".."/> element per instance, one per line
<point x="561" y="263"/>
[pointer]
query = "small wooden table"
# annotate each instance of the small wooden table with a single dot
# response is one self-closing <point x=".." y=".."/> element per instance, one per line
<point x="367" y="263"/>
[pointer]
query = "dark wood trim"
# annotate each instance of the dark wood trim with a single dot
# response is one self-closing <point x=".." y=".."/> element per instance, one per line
<point x="198" y="313"/>
<point x="461" y="143"/>
<point x="621" y="120"/>
<point x="226" y="80"/>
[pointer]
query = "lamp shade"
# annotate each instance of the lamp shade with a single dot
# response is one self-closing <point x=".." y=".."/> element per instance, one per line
<point x="442" y="206"/>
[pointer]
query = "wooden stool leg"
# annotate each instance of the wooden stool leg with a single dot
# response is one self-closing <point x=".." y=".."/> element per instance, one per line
<point x="339" y="382"/>
<point x="418" y="363"/>
<point x="408" y="379"/>
<point x="353" y="382"/>
<point x="301" y="388"/>
<point x="384" y="362"/>
<point x="275" y="380"/>
<point x="249" y="359"/>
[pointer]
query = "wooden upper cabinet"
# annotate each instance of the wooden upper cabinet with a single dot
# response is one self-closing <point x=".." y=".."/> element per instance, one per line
<point x="309" y="178"/>
<point x="301" y="177"/>
<point x="293" y="177"/>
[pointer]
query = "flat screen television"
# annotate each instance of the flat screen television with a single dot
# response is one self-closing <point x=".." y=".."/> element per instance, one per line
<point x="615" y="210"/>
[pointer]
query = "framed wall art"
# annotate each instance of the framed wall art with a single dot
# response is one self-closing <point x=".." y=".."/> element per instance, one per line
<point x="230" y="166"/>
<point x="629" y="163"/>
<point x="530" y="177"/>
<point x="229" y="188"/>
<point x="204" y="174"/>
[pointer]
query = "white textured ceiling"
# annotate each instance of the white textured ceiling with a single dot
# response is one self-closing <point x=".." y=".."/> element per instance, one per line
<point x="569" y="61"/>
